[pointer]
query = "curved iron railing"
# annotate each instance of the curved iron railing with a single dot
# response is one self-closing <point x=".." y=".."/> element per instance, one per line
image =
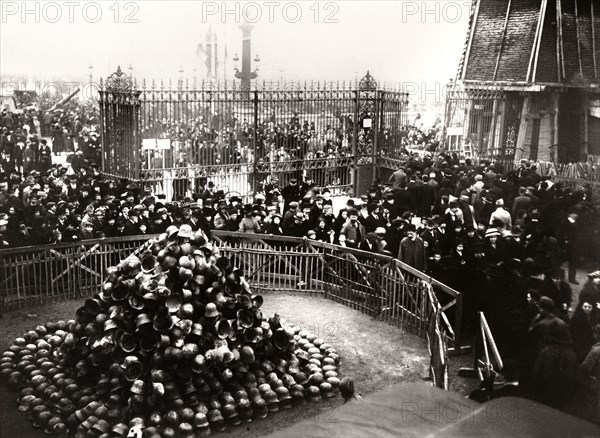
<point x="378" y="285"/>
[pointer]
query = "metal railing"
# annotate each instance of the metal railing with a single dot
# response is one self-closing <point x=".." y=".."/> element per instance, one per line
<point x="374" y="284"/>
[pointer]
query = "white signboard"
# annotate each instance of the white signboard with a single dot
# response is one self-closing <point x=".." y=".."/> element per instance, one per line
<point x="156" y="143"/>
<point x="455" y="130"/>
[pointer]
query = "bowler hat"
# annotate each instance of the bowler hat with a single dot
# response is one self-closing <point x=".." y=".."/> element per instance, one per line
<point x="174" y="302"/>
<point x="281" y="339"/>
<point x="224" y="328"/>
<point x="162" y="320"/>
<point x="314" y="394"/>
<point x="136" y="302"/>
<point x="119" y="292"/>
<point x="148" y="263"/>
<point x="245" y="318"/>
<point x="149" y="342"/>
<point x="244" y="301"/>
<point x="211" y="311"/>
<point x="126" y="341"/>
<point x="257" y="300"/>
<point x="93" y="306"/>
<point x="142" y="320"/>
<point x="132" y="368"/>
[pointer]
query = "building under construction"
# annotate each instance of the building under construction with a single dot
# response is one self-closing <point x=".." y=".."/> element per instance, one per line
<point x="528" y="83"/>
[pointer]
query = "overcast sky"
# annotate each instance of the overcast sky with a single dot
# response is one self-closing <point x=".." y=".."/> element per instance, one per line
<point x="399" y="41"/>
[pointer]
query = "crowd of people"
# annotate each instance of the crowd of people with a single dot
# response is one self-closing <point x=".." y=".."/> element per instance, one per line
<point x="24" y="135"/>
<point x="498" y="237"/>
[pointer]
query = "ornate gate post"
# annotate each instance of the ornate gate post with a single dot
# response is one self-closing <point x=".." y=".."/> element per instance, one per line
<point x="120" y="124"/>
<point x="365" y="131"/>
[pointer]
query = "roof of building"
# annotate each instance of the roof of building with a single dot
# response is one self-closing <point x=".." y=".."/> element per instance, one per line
<point x="532" y="42"/>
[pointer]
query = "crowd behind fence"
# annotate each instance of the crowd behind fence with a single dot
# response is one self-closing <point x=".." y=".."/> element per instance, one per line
<point x="195" y="130"/>
<point x="380" y="286"/>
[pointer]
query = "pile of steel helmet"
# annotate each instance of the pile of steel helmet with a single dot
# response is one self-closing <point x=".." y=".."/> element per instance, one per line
<point x="174" y="344"/>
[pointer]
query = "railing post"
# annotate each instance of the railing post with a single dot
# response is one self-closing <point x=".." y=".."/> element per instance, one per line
<point x="458" y="323"/>
<point x="354" y="174"/>
<point x="255" y="145"/>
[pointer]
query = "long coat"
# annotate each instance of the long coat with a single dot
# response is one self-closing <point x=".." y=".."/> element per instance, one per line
<point x="412" y="252"/>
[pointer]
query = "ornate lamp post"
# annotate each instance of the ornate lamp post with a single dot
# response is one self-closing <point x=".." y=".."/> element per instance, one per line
<point x="246" y="74"/>
<point x="180" y="81"/>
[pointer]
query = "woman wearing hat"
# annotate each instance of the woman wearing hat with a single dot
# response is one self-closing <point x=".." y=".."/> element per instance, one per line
<point x="493" y="247"/>
<point x="584" y="319"/>
<point x="322" y="232"/>
<point x="274" y="225"/>
<point x="555" y="370"/>
<point x="249" y="223"/>
<point x="590" y="291"/>
<point x="591" y="367"/>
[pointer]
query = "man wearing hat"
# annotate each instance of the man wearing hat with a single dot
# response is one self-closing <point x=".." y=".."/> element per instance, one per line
<point x="222" y="216"/>
<point x="77" y="162"/>
<point x="290" y="193"/>
<point x="132" y="227"/>
<point x="295" y="228"/>
<point x="501" y="214"/>
<point x="290" y="213"/>
<point x="272" y="192"/>
<point x="370" y="243"/>
<point x="373" y="220"/>
<point x="412" y="249"/>
<point x="316" y="210"/>
<point x="399" y="179"/>
<point x="353" y="231"/>
<point x="520" y="203"/>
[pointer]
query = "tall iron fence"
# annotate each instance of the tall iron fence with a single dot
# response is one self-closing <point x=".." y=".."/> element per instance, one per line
<point x="379" y="286"/>
<point x="197" y="132"/>
<point x="480" y="122"/>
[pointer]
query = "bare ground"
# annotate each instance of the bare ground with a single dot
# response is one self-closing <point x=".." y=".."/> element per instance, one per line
<point x="375" y="354"/>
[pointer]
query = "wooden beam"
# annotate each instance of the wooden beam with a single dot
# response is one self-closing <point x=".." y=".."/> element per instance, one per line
<point x="503" y="39"/>
<point x="594" y="41"/>
<point x="531" y="69"/>
<point x="519" y="147"/>
<point x="541" y="35"/>
<point x="559" y="41"/>
<point x="578" y="39"/>
<point x="554" y="147"/>
<point x="471" y="36"/>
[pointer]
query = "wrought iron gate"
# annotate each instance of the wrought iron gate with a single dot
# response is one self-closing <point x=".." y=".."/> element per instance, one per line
<point x="178" y="139"/>
<point x="119" y="120"/>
